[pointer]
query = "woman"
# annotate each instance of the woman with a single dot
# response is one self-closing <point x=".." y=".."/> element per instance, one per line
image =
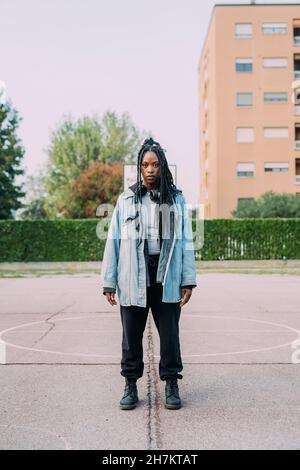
<point x="149" y="261"/>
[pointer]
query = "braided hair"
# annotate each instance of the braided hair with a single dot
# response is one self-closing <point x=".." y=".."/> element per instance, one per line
<point x="167" y="188"/>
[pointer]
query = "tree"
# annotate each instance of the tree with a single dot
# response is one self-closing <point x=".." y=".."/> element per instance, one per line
<point x="99" y="183"/>
<point x="75" y="145"/>
<point x="11" y="155"/>
<point x="35" y="200"/>
<point x="270" y="204"/>
<point x="248" y="208"/>
<point x="121" y="139"/>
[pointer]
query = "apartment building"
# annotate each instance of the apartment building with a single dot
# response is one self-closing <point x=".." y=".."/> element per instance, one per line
<point x="249" y="105"/>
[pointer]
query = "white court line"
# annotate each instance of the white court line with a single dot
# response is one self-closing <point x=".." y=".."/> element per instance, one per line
<point x="281" y="325"/>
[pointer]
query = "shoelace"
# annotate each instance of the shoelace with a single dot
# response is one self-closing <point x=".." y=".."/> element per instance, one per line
<point x="130" y="388"/>
<point x="173" y="387"/>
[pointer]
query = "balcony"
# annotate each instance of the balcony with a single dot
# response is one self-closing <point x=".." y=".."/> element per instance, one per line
<point x="297" y="74"/>
<point x="297" y="138"/>
<point x="296" y="66"/>
<point x="296" y="31"/>
<point x="297" y="179"/>
<point x="297" y="170"/>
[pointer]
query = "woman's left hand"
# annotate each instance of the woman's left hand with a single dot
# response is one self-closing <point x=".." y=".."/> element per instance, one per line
<point x="186" y="295"/>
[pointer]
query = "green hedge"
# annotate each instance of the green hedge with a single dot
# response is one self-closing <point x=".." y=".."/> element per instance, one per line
<point x="50" y="240"/>
<point x="274" y="238"/>
<point x="76" y="240"/>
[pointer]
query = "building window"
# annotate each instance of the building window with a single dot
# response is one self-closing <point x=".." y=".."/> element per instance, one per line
<point x="296" y="29"/>
<point x="243" y="65"/>
<point x="243" y="202"/>
<point x="297" y="136"/>
<point x="244" y="99"/>
<point x="297" y="66"/>
<point x="275" y="97"/>
<point x="276" y="132"/>
<point x="274" y="28"/>
<point x="296" y="94"/>
<point x="243" y="30"/>
<point x="276" y="167"/>
<point x="245" y="169"/>
<point x="245" y="199"/>
<point x="275" y="62"/>
<point x="297" y="171"/>
<point x="244" y="134"/>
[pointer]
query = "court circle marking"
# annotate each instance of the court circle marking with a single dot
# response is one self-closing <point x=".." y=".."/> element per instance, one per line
<point x="280" y="325"/>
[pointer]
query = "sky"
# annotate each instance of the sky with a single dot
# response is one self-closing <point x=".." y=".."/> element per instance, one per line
<point x="78" y="57"/>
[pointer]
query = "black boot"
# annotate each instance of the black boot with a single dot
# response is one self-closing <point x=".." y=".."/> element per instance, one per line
<point x="173" y="401"/>
<point x="130" y="397"/>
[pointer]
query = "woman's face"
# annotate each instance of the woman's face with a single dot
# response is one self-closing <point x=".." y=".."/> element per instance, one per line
<point x="150" y="168"/>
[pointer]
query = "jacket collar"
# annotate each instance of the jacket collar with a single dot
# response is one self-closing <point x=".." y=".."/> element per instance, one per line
<point x="131" y="191"/>
<point x="127" y="193"/>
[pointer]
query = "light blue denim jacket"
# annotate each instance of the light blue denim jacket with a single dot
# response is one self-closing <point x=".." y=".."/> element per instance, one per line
<point x="124" y="266"/>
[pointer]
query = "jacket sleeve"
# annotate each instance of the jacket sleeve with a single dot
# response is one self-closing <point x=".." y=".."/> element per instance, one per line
<point x="108" y="289"/>
<point x="109" y="271"/>
<point x="188" y="275"/>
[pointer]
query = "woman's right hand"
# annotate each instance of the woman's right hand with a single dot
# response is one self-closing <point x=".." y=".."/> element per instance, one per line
<point x="111" y="298"/>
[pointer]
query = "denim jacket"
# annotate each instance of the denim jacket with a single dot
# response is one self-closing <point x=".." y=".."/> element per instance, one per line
<point x="125" y="267"/>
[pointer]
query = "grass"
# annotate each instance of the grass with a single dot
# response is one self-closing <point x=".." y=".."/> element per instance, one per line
<point x="63" y="272"/>
<point x="6" y="273"/>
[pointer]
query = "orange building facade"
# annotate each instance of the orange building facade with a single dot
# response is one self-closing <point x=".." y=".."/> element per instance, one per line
<point x="249" y="105"/>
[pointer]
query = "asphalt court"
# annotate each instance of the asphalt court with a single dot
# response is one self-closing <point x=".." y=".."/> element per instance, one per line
<point x="60" y="351"/>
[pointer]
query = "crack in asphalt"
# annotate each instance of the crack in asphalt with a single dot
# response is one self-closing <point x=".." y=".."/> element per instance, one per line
<point x="52" y="325"/>
<point x="154" y="429"/>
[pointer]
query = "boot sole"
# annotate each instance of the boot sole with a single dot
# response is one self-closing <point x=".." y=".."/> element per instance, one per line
<point x="127" y="407"/>
<point x="172" y="407"/>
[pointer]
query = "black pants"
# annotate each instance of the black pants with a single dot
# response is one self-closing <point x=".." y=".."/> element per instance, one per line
<point x="166" y="317"/>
